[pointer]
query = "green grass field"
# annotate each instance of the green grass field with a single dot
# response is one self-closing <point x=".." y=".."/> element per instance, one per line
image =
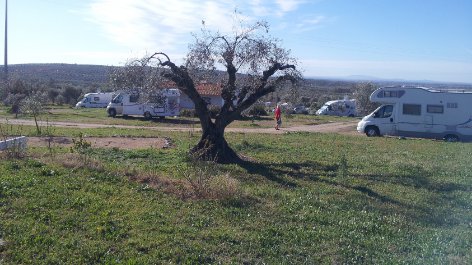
<point x="302" y="198"/>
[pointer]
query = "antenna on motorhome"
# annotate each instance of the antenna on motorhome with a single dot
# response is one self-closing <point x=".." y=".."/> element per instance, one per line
<point x="345" y="97"/>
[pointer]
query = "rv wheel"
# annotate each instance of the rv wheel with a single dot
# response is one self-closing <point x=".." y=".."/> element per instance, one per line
<point x="451" y="138"/>
<point x="147" y="115"/>
<point x="372" y="131"/>
<point x="162" y="117"/>
<point x="351" y="115"/>
<point x="112" y="112"/>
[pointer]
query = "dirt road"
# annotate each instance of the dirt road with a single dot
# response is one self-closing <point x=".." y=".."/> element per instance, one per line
<point x="345" y="128"/>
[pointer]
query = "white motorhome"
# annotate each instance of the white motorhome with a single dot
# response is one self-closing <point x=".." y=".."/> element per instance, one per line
<point x="345" y="107"/>
<point x="163" y="103"/>
<point x="95" y="100"/>
<point x="420" y="112"/>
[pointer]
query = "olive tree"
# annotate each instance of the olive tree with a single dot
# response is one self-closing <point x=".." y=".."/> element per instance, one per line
<point x="33" y="105"/>
<point x="362" y="94"/>
<point x="247" y="65"/>
<point x="14" y="100"/>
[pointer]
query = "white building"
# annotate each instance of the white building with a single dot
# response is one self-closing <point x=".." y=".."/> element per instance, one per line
<point x="211" y="92"/>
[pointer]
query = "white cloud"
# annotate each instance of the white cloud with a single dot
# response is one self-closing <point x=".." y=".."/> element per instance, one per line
<point x="315" y="20"/>
<point x="288" y="5"/>
<point x="163" y="26"/>
<point x="311" y="24"/>
<point x="157" y="25"/>
<point x="110" y="58"/>
<point x="262" y="8"/>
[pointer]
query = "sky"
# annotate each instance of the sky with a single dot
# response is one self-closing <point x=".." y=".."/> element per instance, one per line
<point x="390" y="39"/>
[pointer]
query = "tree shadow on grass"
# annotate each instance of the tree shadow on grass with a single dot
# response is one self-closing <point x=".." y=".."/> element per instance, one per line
<point x="266" y="171"/>
<point x="420" y="179"/>
<point x="271" y="171"/>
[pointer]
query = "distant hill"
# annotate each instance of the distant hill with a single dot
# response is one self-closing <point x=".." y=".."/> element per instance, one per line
<point x="81" y="74"/>
<point x="365" y="78"/>
<point x="74" y="74"/>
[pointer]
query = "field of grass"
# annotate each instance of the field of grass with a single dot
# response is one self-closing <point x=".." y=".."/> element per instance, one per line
<point x="302" y="198"/>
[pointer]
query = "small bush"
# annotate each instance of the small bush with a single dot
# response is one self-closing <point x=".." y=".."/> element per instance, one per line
<point x="189" y="113"/>
<point x="214" y="110"/>
<point x="304" y="111"/>
<point x="81" y="147"/>
<point x="207" y="181"/>
<point x="257" y="110"/>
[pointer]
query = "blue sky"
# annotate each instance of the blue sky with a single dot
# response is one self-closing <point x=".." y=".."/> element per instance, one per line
<point x="402" y="39"/>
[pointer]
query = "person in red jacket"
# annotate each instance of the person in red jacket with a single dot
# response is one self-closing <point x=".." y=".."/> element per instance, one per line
<point x="277" y="117"/>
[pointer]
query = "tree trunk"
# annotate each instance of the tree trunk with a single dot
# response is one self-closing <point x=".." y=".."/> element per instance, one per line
<point x="38" y="131"/>
<point x="213" y="147"/>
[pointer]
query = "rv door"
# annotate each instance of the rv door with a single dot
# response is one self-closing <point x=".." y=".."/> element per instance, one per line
<point x="118" y="103"/>
<point x="385" y="120"/>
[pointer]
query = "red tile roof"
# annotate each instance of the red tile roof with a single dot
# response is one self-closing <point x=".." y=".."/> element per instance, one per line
<point x="208" y="89"/>
<point x="211" y="89"/>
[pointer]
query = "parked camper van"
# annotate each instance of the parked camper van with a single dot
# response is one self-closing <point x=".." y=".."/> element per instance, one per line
<point x="164" y="103"/>
<point x="420" y="112"/>
<point x="343" y="107"/>
<point x="95" y="100"/>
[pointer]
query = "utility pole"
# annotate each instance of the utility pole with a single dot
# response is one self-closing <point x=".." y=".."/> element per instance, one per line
<point x="6" y="43"/>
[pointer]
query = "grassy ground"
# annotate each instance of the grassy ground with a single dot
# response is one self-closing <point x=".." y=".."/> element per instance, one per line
<point x="303" y="198"/>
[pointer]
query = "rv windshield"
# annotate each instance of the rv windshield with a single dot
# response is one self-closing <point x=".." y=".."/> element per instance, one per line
<point x="118" y="99"/>
<point x="324" y="107"/>
<point x="384" y="112"/>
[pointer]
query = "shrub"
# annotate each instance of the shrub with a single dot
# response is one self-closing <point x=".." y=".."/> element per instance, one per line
<point x="81" y="146"/>
<point x="257" y="110"/>
<point x="303" y="111"/>
<point x="60" y="100"/>
<point x="190" y="113"/>
<point x="207" y="181"/>
<point x="214" y="110"/>
<point x="362" y="96"/>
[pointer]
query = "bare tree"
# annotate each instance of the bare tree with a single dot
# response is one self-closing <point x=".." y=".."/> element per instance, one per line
<point x="362" y="94"/>
<point x="33" y="105"/>
<point x="247" y="65"/>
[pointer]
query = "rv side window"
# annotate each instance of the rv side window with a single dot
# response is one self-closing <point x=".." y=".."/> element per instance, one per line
<point x="96" y="99"/>
<point x="452" y="105"/>
<point x="390" y="94"/>
<point x="411" y="109"/>
<point x="434" y="109"/>
<point x="133" y="98"/>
